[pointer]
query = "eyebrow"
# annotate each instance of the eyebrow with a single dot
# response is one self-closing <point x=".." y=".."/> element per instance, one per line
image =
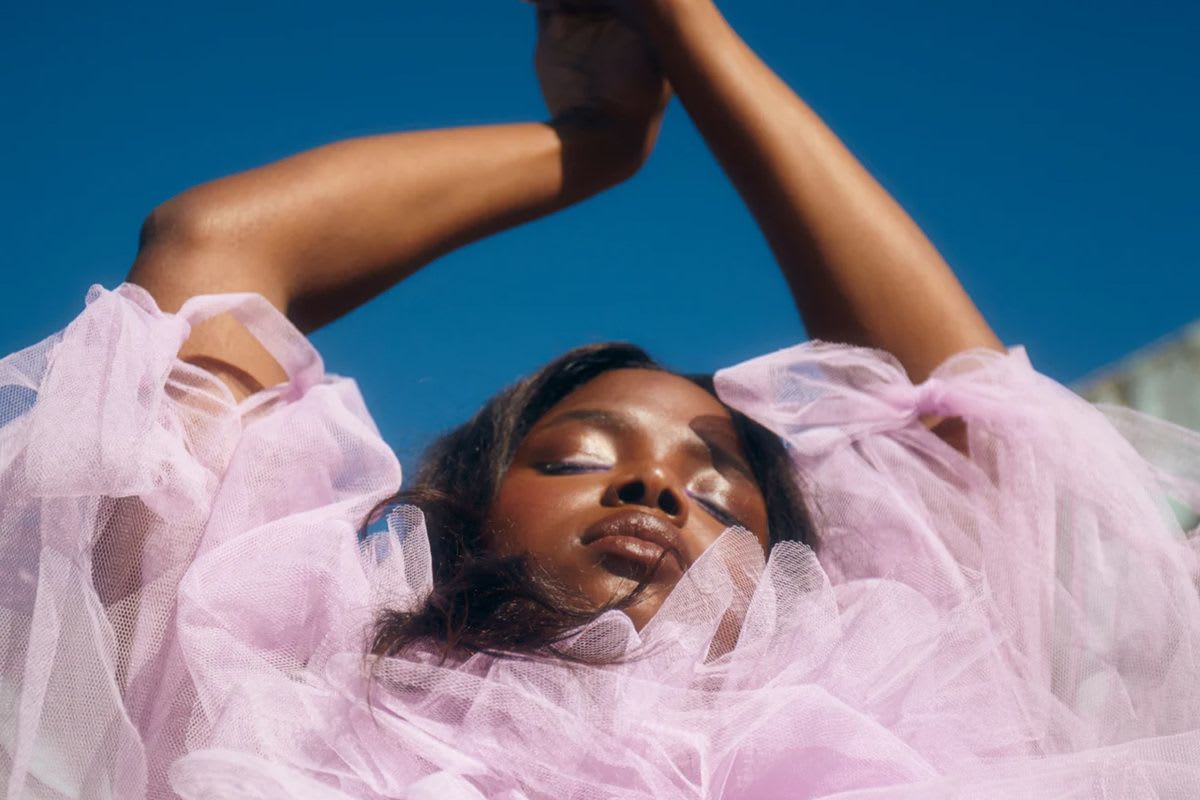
<point x="608" y="420"/>
<point x="619" y="422"/>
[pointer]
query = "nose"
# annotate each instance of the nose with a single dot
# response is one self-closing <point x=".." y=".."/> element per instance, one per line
<point x="651" y="487"/>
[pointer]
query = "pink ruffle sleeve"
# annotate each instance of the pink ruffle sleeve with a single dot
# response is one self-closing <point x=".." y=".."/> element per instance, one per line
<point x="127" y="477"/>
<point x="184" y="602"/>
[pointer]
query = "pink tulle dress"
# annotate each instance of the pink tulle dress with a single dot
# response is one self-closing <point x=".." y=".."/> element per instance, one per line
<point x="184" y="600"/>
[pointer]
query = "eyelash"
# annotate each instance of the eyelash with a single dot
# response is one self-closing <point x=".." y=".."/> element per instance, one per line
<point x="575" y="468"/>
<point x="567" y="468"/>
<point x="718" y="513"/>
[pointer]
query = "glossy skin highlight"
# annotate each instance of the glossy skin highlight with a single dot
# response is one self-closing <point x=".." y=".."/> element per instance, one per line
<point x="322" y="232"/>
<point x="628" y="442"/>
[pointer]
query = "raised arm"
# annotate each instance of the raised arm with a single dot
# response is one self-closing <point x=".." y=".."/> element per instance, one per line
<point x="859" y="268"/>
<point x="322" y="232"/>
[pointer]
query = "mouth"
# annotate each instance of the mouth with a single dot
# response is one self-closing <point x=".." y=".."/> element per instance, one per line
<point x="633" y="543"/>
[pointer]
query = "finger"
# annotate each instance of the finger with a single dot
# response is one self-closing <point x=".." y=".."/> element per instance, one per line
<point x="577" y="6"/>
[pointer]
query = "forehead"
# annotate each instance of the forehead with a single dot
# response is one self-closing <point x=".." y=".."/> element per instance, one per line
<point x="649" y="394"/>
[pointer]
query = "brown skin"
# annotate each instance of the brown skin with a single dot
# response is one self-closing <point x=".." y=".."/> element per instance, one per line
<point x="678" y="457"/>
<point x="324" y="231"/>
<point x="860" y="269"/>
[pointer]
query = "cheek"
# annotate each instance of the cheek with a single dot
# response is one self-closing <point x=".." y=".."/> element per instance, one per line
<point x="545" y="518"/>
<point x="758" y="518"/>
<point x="531" y="516"/>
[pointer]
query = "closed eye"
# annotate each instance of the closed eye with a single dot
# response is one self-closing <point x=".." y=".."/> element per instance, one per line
<point x="719" y="514"/>
<point x="581" y="467"/>
<point x="568" y="467"/>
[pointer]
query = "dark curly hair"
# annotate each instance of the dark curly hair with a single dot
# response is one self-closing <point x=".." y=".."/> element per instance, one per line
<point x="484" y="603"/>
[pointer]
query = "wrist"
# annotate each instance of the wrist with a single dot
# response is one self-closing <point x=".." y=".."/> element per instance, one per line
<point x="653" y="14"/>
<point x="681" y="31"/>
<point x="600" y="150"/>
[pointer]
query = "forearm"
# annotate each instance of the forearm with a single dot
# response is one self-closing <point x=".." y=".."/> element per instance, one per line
<point x="332" y="227"/>
<point x="859" y="268"/>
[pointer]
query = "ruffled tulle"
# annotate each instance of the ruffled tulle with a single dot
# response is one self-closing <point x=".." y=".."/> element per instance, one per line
<point x="185" y="603"/>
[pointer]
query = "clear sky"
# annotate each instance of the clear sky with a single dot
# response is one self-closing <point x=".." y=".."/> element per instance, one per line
<point x="1049" y="149"/>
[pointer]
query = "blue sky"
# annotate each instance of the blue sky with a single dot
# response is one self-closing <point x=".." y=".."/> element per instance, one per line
<point x="1048" y="149"/>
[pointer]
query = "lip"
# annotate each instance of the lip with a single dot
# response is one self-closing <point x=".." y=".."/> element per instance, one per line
<point x="638" y="536"/>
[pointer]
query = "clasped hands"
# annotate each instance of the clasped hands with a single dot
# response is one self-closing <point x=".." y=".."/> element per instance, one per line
<point x="600" y="79"/>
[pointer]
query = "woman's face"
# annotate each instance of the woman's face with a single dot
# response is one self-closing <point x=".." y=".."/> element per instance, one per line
<point x="630" y="465"/>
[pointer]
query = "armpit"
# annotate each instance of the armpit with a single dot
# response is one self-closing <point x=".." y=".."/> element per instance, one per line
<point x="952" y="431"/>
<point x="224" y="347"/>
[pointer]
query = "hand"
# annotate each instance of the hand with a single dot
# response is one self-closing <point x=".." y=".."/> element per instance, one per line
<point x="599" y="77"/>
<point x="635" y="12"/>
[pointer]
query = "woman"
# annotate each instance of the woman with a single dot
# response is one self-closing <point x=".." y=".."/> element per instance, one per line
<point x="607" y="586"/>
<point x="318" y="234"/>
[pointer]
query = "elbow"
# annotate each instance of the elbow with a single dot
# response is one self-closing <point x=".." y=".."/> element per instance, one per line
<point x="177" y="225"/>
<point x="196" y="221"/>
<point x="154" y="227"/>
<point x="192" y="244"/>
<point x="183" y="249"/>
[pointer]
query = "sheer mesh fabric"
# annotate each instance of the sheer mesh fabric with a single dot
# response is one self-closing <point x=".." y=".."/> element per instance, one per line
<point x="184" y="602"/>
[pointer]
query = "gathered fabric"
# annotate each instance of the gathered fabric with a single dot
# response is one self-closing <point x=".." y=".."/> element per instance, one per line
<point x="186" y="602"/>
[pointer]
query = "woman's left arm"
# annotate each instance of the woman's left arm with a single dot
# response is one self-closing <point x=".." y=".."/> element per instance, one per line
<point x="859" y="268"/>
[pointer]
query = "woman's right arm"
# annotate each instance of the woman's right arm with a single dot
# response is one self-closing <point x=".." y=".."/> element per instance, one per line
<point x="324" y="231"/>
